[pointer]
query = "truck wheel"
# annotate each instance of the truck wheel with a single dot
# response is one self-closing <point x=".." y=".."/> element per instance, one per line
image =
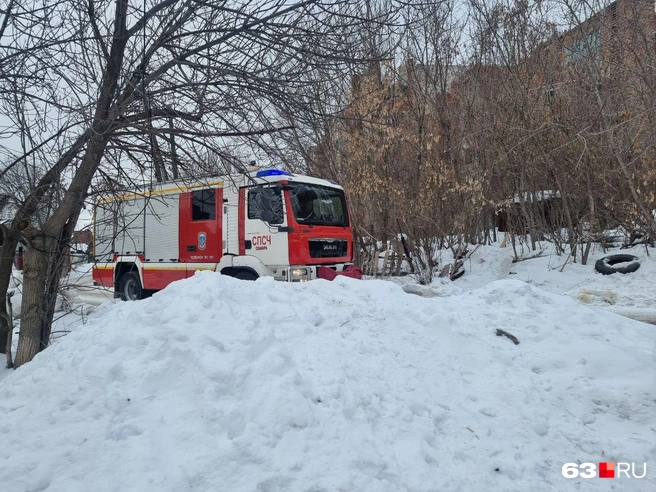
<point x="246" y="275"/>
<point x="130" y="287"/>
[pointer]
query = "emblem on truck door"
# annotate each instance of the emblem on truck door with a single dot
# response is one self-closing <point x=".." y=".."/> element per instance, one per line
<point x="202" y="241"/>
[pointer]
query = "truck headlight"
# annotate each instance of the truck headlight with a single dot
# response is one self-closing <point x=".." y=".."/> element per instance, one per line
<point x="299" y="272"/>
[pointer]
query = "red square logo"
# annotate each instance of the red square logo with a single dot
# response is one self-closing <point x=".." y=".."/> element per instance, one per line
<point x="607" y="470"/>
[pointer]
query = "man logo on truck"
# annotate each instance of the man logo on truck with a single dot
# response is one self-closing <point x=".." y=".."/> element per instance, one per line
<point x="202" y="241"/>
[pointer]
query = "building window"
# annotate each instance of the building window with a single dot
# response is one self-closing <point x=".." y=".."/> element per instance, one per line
<point x="203" y="205"/>
<point x="583" y="47"/>
<point x="266" y="199"/>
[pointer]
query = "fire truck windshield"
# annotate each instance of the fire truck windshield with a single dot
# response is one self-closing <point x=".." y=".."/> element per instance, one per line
<point x="318" y="205"/>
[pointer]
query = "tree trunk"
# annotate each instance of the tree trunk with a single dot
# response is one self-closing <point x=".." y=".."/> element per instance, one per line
<point x="570" y="222"/>
<point x="38" y="253"/>
<point x="10" y="322"/>
<point x="528" y="217"/>
<point x="44" y="260"/>
<point x="593" y="221"/>
<point x="44" y="266"/>
<point x="386" y="257"/>
<point x="9" y="241"/>
<point x="174" y="153"/>
<point x="57" y="268"/>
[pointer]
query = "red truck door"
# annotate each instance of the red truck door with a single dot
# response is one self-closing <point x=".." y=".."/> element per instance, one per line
<point x="201" y="227"/>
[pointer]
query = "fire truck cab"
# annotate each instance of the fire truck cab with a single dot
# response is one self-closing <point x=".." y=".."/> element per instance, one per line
<point x="265" y="223"/>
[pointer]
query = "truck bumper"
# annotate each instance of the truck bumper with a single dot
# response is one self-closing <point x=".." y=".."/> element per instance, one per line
<point x="303" y="273"/>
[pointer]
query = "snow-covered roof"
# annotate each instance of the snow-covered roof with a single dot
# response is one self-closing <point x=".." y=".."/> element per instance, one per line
<point x="530" y="197"/>
<point x="535" y="196"/>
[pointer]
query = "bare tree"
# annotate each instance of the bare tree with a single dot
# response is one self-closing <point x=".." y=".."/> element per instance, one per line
<point x="208" y="74"/>
<point x="541" y="114"/>
<point x="24" y="86"/>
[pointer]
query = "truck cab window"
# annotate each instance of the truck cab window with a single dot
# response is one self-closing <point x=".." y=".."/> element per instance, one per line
<point x="318" y="205"/>
<point x="203" y="205"/>
<point x="266" y="199"/>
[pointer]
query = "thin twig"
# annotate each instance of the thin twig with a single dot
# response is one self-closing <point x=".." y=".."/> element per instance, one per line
<point x="9" y="317"/>
<point x="506" y="334"/>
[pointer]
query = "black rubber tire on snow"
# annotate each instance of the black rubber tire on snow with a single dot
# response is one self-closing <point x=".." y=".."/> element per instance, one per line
<point x="458" y="270"/>
<point x="246" y="275"/>
<point x="458" y="274"/>
<point x="606" y="265"/>
<point x="130" y="288"/>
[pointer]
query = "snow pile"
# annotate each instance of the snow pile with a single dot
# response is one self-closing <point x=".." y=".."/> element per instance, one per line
<point x="632" y="294"/>
<point x="218" y="384"/>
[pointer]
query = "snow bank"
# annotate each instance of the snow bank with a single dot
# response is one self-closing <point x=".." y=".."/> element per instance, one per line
<point x="221" y="385"/>
<point x="626" y="293"/>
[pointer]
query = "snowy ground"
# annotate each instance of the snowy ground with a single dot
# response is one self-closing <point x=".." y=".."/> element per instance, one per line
<point x="78" y="299"/>
<point x="337" y="386"/>
<point x="579" y="281"/>
<point x="631" y="295"/>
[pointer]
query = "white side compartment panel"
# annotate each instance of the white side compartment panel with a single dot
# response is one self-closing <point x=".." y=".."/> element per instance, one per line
<point x="231" y="220"/>
<point x="162" y="224"/>
<point x="130" y="234"/>
<point x="104" y="231"/>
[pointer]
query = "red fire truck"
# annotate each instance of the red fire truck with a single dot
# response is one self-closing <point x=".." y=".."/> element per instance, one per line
<point x="263" y="223"/>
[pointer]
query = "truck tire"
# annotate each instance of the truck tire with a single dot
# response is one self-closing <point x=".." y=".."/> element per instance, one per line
<point x="246" y="275"/>
<point x="626" y="264"/>
<point x="130" y="287"/>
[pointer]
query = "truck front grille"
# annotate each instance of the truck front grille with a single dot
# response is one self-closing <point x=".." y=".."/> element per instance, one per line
<point x="327" y="248"/>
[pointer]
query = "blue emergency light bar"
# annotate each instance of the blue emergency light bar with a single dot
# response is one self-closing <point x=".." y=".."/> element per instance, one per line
<point x="272" y="172"/>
